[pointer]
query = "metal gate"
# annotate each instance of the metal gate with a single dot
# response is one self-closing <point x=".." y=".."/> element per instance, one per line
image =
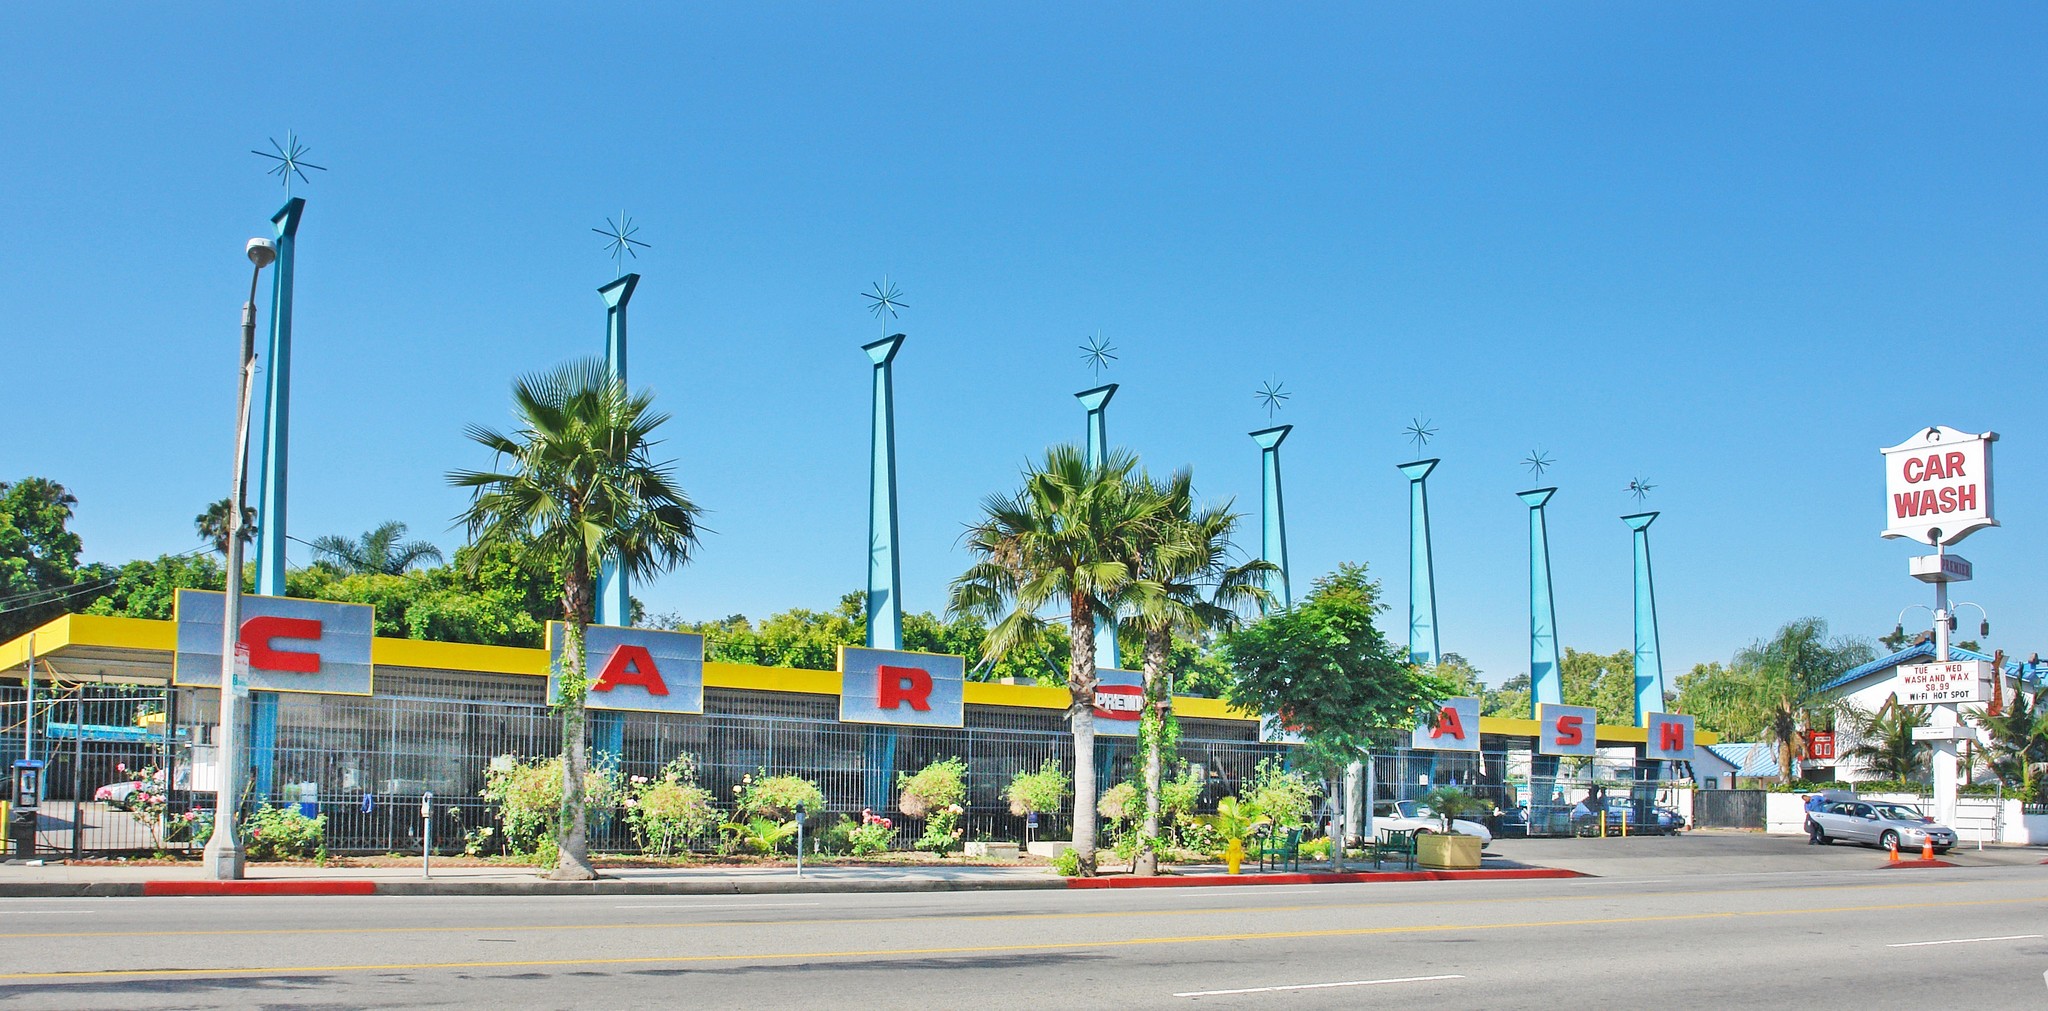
<point x="110" y="760"/>
<point x="1728" y="809"/>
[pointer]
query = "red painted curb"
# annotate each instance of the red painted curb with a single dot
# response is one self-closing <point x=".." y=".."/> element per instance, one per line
<point x="1916" y="863"/>
<point x="165" y="888"/>
<point x="1204" y="880"/>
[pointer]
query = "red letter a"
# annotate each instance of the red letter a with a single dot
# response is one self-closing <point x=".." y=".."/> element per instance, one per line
<point x="631" y="665"/>
<point x="1447" y="722"/>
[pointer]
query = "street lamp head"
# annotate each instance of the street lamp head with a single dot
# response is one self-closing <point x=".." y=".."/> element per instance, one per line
<point x="261" y="252"/>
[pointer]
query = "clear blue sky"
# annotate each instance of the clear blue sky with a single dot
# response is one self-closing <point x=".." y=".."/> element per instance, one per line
<point x="1731" y="249"/>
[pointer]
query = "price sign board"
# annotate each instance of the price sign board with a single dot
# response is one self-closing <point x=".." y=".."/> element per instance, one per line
<point x="1926" y="684"/>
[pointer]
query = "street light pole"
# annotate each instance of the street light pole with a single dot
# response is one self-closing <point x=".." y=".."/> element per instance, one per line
<point x="224" y="847"/>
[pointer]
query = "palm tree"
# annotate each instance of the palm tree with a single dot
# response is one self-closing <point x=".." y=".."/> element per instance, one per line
<point x="1783" y="679"/>
<point x="1884" y="740"/>
<point x="579" y="488"/>
<point x="1183" y="583"/>
<point x="2019" y="743"/>
<point x="1063" y="539"/>
<point x="213" y="525"/>
<point x="378" y="552"/>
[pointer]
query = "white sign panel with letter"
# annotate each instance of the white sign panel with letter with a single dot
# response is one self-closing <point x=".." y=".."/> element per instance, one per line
<point x="1457" y="727"/>
<point x="286" y="644"/>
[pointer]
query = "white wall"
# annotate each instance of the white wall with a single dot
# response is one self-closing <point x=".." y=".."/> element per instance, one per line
<point x="1984" y="819"/>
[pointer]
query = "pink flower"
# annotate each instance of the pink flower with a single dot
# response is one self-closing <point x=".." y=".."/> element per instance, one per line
<point x="120" y="767"/>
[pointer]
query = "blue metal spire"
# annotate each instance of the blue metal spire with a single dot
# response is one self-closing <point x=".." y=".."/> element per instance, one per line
<point x="1424" y="646"/>
<point x="1546" y="684"/>
<point x="614" y="588"/>
<point x="277" y="411"/>
<point x="1649" y="661"/>
<point x="885" y="565"/>
<point x="1273" y="529"/>
<point x="1096" y="402"/>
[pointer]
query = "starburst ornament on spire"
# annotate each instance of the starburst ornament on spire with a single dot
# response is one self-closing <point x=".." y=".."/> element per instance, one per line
<point x="1537" y="461"/>
<point x="620" y="246"/>
<point x="1640" y="489"/>
<point x="1272" y="396"/>
<point x="884" y="301"/>
<point x="1098" y="353"/>
<point x="290" y="158"/>
<point x="1419" y="433"/>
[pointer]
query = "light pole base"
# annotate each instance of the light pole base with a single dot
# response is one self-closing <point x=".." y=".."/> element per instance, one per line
<point x="223" y="861"/>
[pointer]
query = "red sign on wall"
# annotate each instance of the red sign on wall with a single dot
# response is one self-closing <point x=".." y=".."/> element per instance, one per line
<point x="1820" y="746"/>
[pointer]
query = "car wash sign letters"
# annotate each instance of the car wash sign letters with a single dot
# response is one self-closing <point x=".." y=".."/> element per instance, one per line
<point x="638" y="669"/>
<point x="902" y="688"/>
<point x="285" y="644"/>
<point x="1938" y="485"/>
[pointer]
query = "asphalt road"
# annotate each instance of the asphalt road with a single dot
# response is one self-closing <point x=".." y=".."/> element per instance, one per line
<point x="1865" y="938"/>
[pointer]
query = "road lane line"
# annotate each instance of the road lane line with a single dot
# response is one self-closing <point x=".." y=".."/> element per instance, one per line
<point x="1313" y="986"/>
<point x="977" y="917"/>
<point x="1129" y="942"/>
<point x="727" y="905"/>
<point x="1963" y="940"/>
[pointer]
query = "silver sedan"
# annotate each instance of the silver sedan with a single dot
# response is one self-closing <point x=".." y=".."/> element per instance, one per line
<point x="1879" y="824"/>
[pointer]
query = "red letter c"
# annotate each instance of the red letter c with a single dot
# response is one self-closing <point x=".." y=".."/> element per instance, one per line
<point x="260" y="631"/>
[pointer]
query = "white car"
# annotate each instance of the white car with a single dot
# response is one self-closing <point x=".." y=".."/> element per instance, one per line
<point x="1409" y="815"/>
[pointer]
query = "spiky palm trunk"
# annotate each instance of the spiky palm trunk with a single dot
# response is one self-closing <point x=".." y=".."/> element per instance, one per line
<point x="572" y="836"/>
<point x="1157" y="641"/>
<point x="1081" y="715"/>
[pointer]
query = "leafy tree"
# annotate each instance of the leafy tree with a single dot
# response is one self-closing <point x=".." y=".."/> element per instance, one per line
<point x="1717" y="697"/>
<point x="149" y="589"/>
<point x="213" y="526"/>
<point x="1605" y="681"/>
<point x="581" y="488"/>
<point x="1781" y="680"/>
<point x="381" y="551"/>
<point x="1511" y="699"/>
<point x="38" y="554"/>
<point x="1060" y="541"/>
<point x="1182" y="582"/>
<point x="1325" y="670"/>
<point x="1884" y="740"/>
<point x="1461" y="674"/>
<point x="2018" y="751"/>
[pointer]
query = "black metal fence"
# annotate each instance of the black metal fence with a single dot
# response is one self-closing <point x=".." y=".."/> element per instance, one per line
<point x="110" y="764"/>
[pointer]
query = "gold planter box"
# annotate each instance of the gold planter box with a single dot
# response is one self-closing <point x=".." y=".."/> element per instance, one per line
<point x="1447" y="852"/>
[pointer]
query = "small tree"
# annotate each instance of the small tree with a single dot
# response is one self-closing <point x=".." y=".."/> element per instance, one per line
<point x="1328" y="674"/>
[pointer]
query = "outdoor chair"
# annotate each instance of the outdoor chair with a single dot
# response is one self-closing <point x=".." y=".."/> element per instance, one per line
<point x="1395" y="844"/>
<point x="1281" y="849"/>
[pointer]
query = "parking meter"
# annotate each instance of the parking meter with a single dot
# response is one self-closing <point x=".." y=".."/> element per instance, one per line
<point x="427" y="834"/>
<point x="799" y="839"/>
<point x="1030" y="827"/>
<point x="26" y="784"/>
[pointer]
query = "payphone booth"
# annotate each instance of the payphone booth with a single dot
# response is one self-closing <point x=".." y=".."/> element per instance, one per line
<point x="25" y="788"/>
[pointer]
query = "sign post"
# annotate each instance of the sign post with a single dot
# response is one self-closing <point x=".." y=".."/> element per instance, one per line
<point x="1937" y="492"/>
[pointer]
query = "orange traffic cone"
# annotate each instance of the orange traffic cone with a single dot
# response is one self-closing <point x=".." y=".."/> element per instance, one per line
<point x="1927" y="848"/>
<point x="1895" y="851"/>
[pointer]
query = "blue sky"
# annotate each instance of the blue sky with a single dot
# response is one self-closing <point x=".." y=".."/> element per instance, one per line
<point x="1731" y="249"/>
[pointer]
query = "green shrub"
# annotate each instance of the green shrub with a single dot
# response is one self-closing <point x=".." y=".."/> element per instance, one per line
<point x="1119" y="804"/>
<point x="758" y="835"/>
<point x="669" y="810"/>
<point x="285" y="834"/>
<point x="837" y="837"/>
<point x="1042" y="791"/>
<point x="528" y="797"/>
<point x="873" y="835"/>
<point x="1278" y="795"/>
<point x="776" y="797"/>
<point x="942" y="831"/>
<point x="937" y="786"/>
<point x="1178" y="796"/>
<point x="1067" y="864"/>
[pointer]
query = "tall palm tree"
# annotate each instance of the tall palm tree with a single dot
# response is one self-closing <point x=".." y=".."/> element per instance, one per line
<point x="1062" y="541"/>
<point x="579" y="487"/>
<point x="1183" y="583"/>
<point x="378" y="552"/>
<point x="1783" y="678"/>
<point x="213" y="525"/>
<point x="1884" y="740"/>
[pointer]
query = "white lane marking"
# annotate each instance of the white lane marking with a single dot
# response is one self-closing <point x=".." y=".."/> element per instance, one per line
<point x="1964" y="940"/>
<point x="1313" y="986"/>
<point x="49" y="912"/>
<point x="728" y="905"/>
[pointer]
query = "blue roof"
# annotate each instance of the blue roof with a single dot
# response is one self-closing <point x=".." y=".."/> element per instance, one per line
<point x="1749" y="760"/>
<point x="2036" y="674"/>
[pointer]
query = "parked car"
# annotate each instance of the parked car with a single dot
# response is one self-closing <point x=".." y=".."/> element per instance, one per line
<point x="1621" y="816"/>
<point x="118" y="794"/>
<point x="1880" y="824"/>
<point x="1409" y="815"/>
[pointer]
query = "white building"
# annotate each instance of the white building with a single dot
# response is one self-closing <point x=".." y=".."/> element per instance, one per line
<point x="1868" y="688"/>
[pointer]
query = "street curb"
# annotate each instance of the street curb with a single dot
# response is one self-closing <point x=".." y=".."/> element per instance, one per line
<point x="1363" y="877"/>
<point x="601" y="886"/>
<point x="1914" y="863"/>
<point x="159" y="889"/>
